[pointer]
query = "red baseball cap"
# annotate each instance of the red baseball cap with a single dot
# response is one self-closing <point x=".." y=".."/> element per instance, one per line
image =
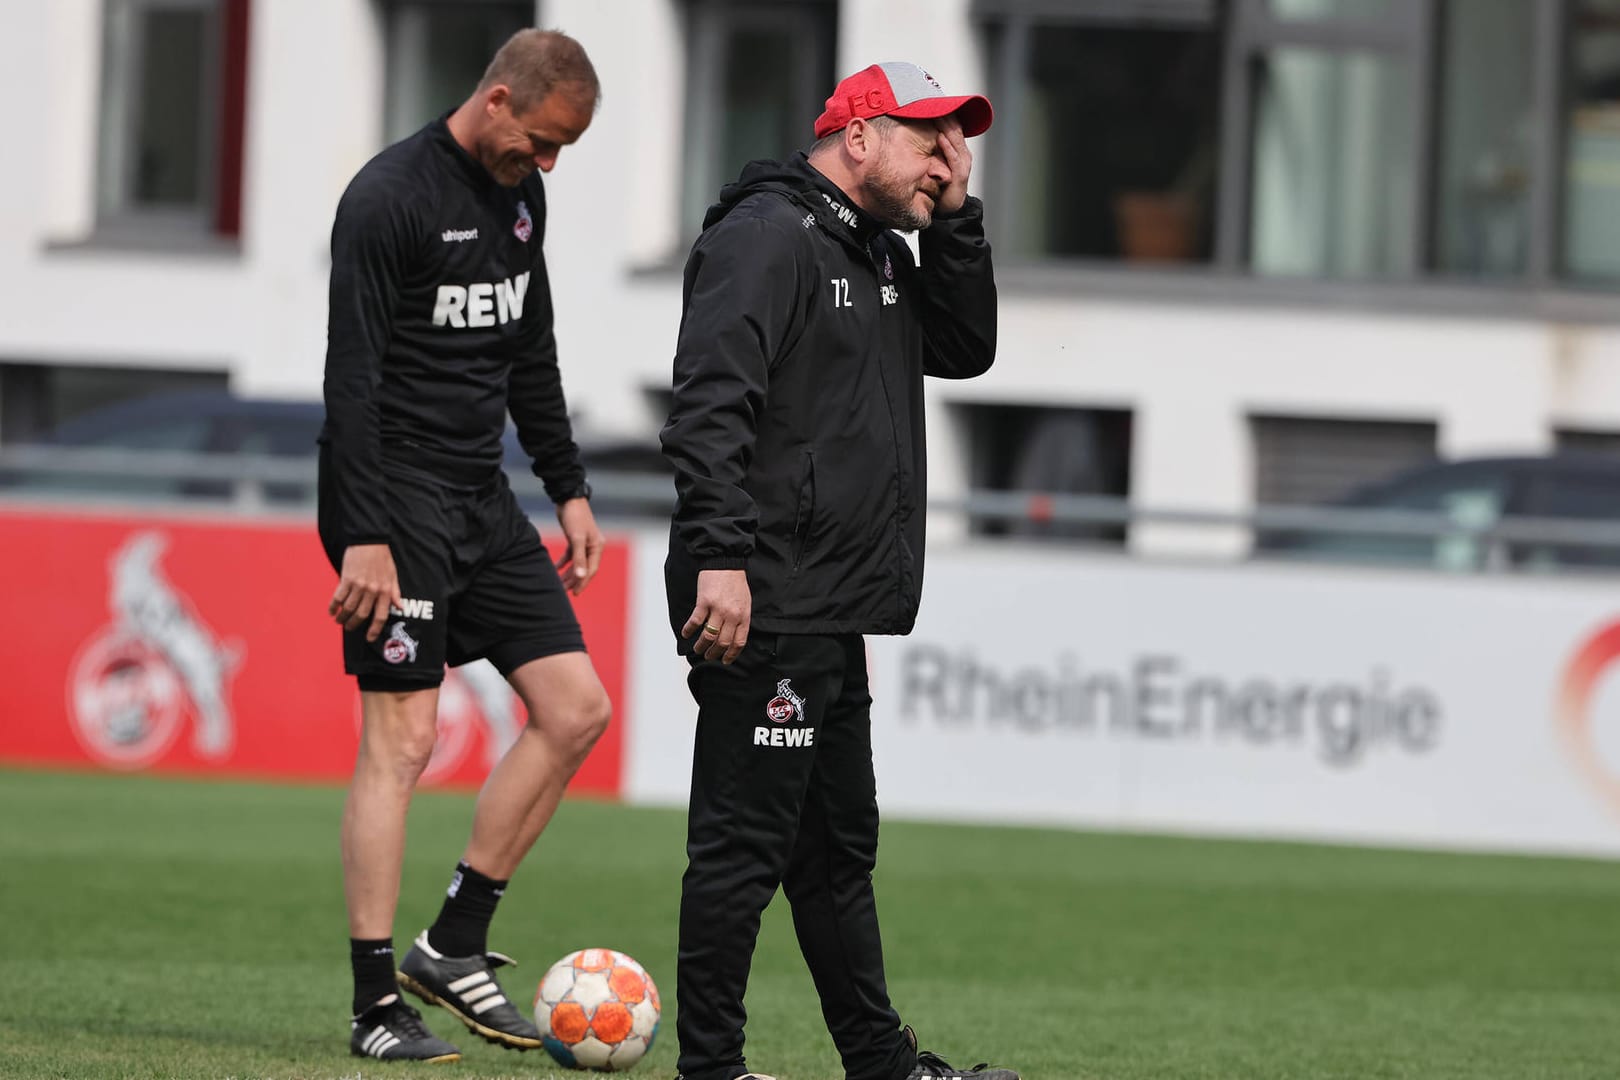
<point x="899" y="89"/>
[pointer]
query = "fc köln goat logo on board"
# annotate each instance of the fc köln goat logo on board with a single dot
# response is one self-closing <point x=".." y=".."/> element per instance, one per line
<point x="157" y="663"/>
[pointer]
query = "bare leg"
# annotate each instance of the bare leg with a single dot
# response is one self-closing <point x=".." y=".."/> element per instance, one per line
<point x="396" y="740"/>
<point x="567" y="712"/>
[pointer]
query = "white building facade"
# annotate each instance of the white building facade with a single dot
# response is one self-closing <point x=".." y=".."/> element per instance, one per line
<point x="1237" y="242"/>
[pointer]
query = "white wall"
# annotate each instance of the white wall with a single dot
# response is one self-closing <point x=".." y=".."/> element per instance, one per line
<point x="60" y="195"/>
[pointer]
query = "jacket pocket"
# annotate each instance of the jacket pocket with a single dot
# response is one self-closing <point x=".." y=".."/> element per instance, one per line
<point x="806" y="510"/>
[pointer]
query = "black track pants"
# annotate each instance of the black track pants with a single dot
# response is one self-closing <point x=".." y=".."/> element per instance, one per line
<point x="783" y="794"/>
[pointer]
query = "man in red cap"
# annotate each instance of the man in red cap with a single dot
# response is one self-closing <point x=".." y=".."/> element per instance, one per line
<point x="796" y="435"/>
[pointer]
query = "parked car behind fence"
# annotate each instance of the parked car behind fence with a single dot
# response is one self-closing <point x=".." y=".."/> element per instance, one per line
<point x="1496" y="513"/>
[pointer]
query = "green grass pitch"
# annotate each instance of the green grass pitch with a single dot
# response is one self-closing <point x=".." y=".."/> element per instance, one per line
<point x="166" y="928"/>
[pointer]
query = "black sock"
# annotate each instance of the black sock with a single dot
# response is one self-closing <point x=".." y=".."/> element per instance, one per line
<point x="462" y="928"/>
<point x="373" y="964"/>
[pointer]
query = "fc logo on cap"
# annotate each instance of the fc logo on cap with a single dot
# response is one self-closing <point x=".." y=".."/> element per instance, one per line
<point x="872" y="99"/>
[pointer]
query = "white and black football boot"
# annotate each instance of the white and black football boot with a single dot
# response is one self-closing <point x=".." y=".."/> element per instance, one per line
<point x="930" y="1066"/>
<point x="466" y="986"/>
<point x="393" y="1031"/>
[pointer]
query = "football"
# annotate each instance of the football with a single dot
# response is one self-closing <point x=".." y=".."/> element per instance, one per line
<point x="597" y="1009"/>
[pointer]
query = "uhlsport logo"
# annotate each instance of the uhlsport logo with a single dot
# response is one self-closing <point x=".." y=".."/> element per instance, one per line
<point x="133" y="684"/>
<point x="1575" y="712"/>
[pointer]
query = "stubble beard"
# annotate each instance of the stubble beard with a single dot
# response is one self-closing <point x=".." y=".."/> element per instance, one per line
<point x="507" y="169"/>
<point x="893" y="203"/>
<point x="513" y="172"/>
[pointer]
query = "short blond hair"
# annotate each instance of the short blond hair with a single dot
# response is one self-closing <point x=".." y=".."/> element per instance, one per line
<point x="533" y="64"/>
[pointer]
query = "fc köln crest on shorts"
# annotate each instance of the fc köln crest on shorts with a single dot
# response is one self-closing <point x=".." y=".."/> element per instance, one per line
<point x="400" y="646"/>
<point x="524" y="226"/>
<point x="786" y="705"/>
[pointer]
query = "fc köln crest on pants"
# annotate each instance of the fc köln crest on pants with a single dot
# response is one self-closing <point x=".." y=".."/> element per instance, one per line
<point x="786" y="705"/>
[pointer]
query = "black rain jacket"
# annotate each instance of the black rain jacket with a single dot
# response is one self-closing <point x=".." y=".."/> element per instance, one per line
<point x="796" y="431"/>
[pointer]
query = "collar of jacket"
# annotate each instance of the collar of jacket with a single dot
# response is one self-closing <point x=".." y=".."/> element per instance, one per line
<point x="463" y="163"/>
<point x="832" y="207"/>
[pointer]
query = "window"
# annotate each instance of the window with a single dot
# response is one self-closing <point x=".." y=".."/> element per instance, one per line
<point x="1052" y="451"/>
<point x="1308" y="460"/>
<point x="1485" y="150"/>
<point x="1332" y="183"/>
<point x="437" y="53"/>
<point x="1320" y="164"/>
<point x="1591" y="231"/>
<point x="1582" y="441"/>
<point x="174" y="78"/>
<point x="1106" y="129"/>
<point x="758" y="75"/>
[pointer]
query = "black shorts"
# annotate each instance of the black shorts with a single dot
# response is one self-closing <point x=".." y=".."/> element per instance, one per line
<point x="476" y="580"/>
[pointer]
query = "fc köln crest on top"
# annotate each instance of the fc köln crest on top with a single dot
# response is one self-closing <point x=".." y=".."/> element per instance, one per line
<point x="523" y="228"/>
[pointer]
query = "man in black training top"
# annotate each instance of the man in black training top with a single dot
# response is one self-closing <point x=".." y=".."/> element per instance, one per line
<point x="440" y="324"/>
<point x="796" y="435"/>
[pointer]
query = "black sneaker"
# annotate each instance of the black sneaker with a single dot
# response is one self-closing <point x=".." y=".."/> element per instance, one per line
<point x="395" y="1032"/>
<point x="466" y="986"/>
<point x="930" y="1066"/>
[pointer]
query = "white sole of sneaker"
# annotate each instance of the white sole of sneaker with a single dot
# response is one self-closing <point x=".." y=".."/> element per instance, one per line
<point x="442" y="1059"/>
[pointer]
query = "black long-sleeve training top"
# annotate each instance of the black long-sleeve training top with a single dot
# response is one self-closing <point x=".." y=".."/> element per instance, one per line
<point x="796" y="433"/>
<point x="440" y="322"/>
